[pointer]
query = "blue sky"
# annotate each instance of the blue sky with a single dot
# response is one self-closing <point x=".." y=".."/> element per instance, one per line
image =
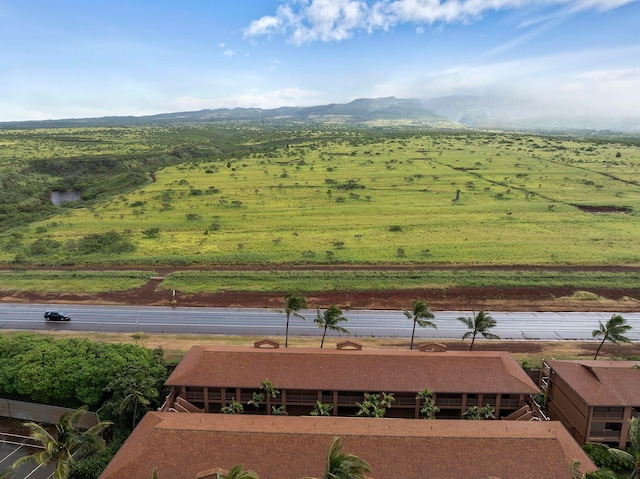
<point x="71" y="59"/>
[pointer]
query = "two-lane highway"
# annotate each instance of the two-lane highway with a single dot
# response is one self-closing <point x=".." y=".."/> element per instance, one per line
<point x="268" y="322"/>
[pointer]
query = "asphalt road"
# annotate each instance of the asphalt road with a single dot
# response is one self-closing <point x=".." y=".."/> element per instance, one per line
<point x="268" y="322"/>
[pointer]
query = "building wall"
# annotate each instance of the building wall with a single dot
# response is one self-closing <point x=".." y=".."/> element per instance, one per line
<point x="563" y="404"/>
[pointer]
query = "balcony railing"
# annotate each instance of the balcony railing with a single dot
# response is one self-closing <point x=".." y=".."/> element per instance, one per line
<point x="609" y="416"/>
<point x="509" y="402"/>
<point x="444" y="402"/>
<point x="604" y="436"/>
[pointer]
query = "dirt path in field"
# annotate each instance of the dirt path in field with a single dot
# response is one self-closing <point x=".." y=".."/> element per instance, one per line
<point x="477" y="298"/>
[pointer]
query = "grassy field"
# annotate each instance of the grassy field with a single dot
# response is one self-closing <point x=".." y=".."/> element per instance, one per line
<point x="316" y="281"/>
<point x="428" y="198"/>
<point x="81" y="282"/>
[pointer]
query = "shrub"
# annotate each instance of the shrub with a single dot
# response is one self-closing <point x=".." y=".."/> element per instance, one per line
<point x="110" y="242"/>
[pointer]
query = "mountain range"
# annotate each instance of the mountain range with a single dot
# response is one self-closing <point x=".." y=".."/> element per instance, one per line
<point x="451" y="112"/>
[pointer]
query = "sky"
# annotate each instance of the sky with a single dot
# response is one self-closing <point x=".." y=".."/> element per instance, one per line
<point x="79" y="58"/>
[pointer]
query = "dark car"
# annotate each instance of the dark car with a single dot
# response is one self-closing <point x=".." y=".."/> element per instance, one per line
<point x="56" y="316"/>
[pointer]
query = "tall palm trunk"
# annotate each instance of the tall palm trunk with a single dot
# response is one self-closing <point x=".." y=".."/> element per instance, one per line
<point x="323" y="335"/>
<point x="599" y="347"/>
<point x="413" y="333"/>
<point x="473" y="340"/>
<point x="286" y="332"/>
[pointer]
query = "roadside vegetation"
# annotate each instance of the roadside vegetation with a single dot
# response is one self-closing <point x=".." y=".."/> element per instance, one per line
<point x="87" y="282"/>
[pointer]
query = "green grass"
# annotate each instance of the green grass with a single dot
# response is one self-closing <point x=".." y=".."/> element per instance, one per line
<point x="352" y="198"/>
<point x="319" y="280"/>
<point x="80" y="282"/>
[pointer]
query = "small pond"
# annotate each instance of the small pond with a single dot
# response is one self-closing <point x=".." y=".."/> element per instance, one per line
<point x="59" y="197"/>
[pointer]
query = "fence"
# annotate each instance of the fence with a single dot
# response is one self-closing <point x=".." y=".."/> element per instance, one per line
<point x="41" y="412"/>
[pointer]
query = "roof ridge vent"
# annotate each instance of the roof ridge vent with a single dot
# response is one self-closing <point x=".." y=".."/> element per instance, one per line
<point x="349" y="344"/>
<point x="592" y="370"/>
<point x="267" y="343"/>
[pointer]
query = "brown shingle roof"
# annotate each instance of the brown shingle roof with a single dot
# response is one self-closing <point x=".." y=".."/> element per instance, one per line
<point x="348" y="370"/>
<point x="180" y="446"/>
<point x="602" y="383"/>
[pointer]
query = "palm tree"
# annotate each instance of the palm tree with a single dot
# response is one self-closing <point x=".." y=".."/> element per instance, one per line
<point x="630" y="457"/>
<point x="68" y="443"/>
<point x="421" y="314"/>
<point x="599" y="474"/>
<point x="329" y="320"/>
<point x="613" y="331"/>
<point x="142" y="390"/>
<point x="7" y="473"/>
<point x="236" y="472"/>
<point x="480" y="323"/>
<point x="292" y="304"/>
<point x="341" y="465"/>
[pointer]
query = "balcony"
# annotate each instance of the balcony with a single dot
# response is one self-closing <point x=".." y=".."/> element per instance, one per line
<point x="608" y="416"/>
<point x="607" y="435"/>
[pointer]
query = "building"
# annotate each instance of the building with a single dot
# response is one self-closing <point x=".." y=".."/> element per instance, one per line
<point x="192" y="446"/>
<point x="210" y="378"/>
<point x="593" y="399"/>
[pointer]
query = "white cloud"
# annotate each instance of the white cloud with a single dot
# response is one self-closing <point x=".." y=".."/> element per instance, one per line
<point x="306" y="21"/>
<point x="229" y="53"/>
<point x="564" y="83"/>
<point x="272" y="99"/>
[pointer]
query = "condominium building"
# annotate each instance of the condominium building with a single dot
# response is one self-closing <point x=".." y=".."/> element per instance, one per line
<point x="593" y="399"/>
<point x="209" y="379"/>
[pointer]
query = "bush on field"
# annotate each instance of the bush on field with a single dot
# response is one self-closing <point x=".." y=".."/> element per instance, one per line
<point x="110" y="242"/>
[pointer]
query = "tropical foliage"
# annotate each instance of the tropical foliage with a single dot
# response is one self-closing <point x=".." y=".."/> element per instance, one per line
<point x="73" y="372"/>
<point x="478" y="323"/>
<point x="479" y="413"/>
<point x="67" y="444"/>
<point x="234" y="407"/>
<point x="428" y="408"/>
<point x="236" y="472"/>
<point x="292" y="304"/>
<point x="612" y="331"/>
<point x="375" y="405"/>
<point x="342" y="465"/>
<point x="421" y="315"/>
<point x="321" y="409"/>
<point x="329" y="320"/>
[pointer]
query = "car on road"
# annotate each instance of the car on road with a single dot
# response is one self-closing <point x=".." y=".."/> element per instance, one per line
<point x="56" y="316"/>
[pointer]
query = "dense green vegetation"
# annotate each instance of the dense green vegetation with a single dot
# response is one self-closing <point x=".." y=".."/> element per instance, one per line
<point x="120" y="381"/>
<point x="70" y="372"/>
<point x="258" y="195"/>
